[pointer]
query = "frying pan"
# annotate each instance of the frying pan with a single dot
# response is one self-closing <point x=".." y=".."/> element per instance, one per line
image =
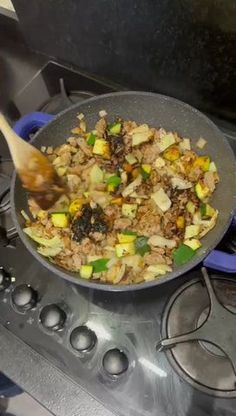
<point x="155" y="110"/>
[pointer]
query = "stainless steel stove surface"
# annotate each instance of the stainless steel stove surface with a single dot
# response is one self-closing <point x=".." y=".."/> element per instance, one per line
<point x="110" y="344"/>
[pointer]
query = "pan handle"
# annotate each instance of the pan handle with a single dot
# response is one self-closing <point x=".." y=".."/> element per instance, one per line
<point x="221" y="261"/>
<point x="30" y="123"/>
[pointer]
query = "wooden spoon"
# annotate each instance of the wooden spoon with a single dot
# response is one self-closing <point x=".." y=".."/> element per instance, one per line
<point x="36" y="172"/>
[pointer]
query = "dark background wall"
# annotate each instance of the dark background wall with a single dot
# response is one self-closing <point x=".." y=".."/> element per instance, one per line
<point x="183" y="48"/>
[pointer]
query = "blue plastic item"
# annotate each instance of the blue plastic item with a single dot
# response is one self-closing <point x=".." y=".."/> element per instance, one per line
<point x="32" y="122"/>
<point x="7" y="387"/>
<point x="218" y="260"/>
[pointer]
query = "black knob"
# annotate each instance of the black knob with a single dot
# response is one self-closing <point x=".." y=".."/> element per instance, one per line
<point x="115" y="362"/>
<point x="52" y="317"/>
<point x="5" y="279"/>
<point x="24" y="297"/>
<point x="83" y="338"/>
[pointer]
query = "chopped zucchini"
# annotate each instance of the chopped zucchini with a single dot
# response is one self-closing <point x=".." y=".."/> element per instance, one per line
<point x="111" y="187"/>
<point x="129" y="210"/>
<point x="147" y="168"/>
<point x="60" y="219"/>
<point x="131" y="159"/>
<point x="125" y="249"/>
<point x="172" y="153"/>
<point x="146" y="171"/>
<point x="75" y="206"/>
<point x="91" y="139"/>
<point x="61" y="170"/>
<point x="202" y="191"/>
<point x="101" y="147"/>
<point x="166" y="141"/>
<point x="114" y="128"/>
<point x="206" y="211"/>
<point x="161" y="199"/>
<point x="86" y="271"/>
<point x="126" y="237"/>
<point x="190" y="207"/>
<point x="191" y="231"/>
<point x="193" y="243"/>
<point x="202" y="162"/>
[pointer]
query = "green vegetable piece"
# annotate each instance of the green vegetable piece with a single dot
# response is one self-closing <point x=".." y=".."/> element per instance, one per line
<point x="99" y="265"/>
<point x="145" y="175"/>
<point x="141" y="245"/>
<point x="206" y="211"/>
<point x="129" y="232"/>
<point x="114" y="128"/>
<point x="114" y="180"/>
<point x="183" y="254"/>
<point x="91" y="139"/>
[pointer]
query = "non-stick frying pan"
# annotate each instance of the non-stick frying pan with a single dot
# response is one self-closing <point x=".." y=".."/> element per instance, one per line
<point x="155" y="110"/>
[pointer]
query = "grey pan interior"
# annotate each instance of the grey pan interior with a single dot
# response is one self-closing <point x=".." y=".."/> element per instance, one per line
<point x="156" y="110"/>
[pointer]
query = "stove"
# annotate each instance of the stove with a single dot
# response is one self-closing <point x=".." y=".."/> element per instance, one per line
<point x="165" y="351"/>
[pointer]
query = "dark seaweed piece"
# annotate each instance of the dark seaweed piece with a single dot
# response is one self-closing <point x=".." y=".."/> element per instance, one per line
<point x="90" y="220"/>
<point x="117" y="145"/>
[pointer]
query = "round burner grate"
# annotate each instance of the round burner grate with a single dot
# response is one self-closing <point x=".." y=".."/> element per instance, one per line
<point x="203" y="364"/>
<point x="64" y="99"/>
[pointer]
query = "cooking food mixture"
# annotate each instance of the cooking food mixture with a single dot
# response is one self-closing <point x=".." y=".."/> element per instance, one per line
<point x="137" y="202"/>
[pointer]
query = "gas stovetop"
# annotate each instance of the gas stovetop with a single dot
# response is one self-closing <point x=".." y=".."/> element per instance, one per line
<point x="128" y="350"/>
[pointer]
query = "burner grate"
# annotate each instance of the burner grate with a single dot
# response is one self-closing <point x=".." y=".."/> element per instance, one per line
<point x="205" y="352"/>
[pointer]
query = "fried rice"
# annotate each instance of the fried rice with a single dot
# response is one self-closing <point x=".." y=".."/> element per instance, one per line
<point x="137" y="202"/>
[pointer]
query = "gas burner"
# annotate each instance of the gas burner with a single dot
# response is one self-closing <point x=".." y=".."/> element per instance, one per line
<point x="200" y="344"/>
<point x="64" y="99"/>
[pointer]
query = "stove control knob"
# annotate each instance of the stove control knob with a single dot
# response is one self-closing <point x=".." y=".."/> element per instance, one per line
<point x="52" y="317"/>
<point x="115" y="362"/>
<point x="5" y="279"/>
<point x="83" y="339"/>
<point x="24" y="297"/>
